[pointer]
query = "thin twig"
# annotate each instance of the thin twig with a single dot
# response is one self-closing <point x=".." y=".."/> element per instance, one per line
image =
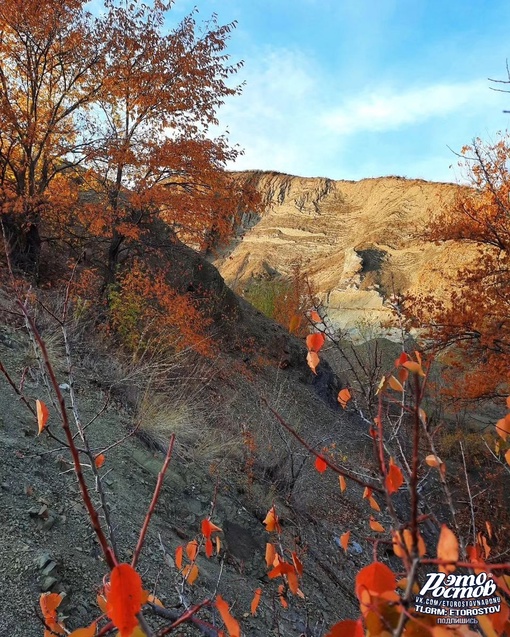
<point x="152" y="506"/>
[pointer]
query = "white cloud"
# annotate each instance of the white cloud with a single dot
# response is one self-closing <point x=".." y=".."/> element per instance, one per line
<point x="385" y="110"/>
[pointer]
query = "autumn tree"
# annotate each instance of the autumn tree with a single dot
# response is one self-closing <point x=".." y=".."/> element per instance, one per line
<point x="155" y="156"/>
<point x="48" y="51"/>
<point x="475" y="320"/>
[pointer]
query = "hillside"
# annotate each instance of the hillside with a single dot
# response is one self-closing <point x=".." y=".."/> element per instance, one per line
<point x="360" y="242"/>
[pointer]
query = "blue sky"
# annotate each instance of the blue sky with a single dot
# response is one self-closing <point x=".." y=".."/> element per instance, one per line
<point x="361" y="88"/>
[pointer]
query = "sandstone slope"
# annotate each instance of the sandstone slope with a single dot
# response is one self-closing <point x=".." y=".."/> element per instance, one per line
<point x="360" y="242"/>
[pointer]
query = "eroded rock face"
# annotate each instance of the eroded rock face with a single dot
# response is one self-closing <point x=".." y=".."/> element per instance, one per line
<point x="360" y="242"/>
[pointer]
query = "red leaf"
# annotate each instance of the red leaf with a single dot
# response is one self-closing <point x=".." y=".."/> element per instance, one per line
<point x="232" y="624"/>
<point x="208" y="547"/>
<point x="320" y="465"/>
<point x="42" y="415"/>
<point x="315" y="341"/>
<point x="124" y="599"/>
<point x="208" y="528"/>
<point x="99" y="460"/>
<point x="347" y="628"/>
<point x="394" y="478"/>
<point x="282" y="569"/>
<point x="403" y="358"/>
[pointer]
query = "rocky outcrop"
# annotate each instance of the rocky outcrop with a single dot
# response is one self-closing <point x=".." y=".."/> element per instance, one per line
<point x="360" y="242"/>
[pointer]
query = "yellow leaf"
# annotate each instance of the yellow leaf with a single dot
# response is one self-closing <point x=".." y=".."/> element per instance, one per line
<point x="375" y="525"/>
<point x="447" y="549"/>
<point x="343" y="484"/>
<point x="42" y="415"/>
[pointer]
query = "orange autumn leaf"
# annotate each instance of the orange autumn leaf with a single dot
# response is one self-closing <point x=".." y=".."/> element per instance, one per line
<point x="124" y="598"/>
<point x="373" y="503"/>
<point x="208" y="528"/>
<point x="344" y="540"/>
<point x="344" y="395"/>
<point x="488" y="526"/>
<point x="343" y="484"/>
<point x="376" y="578"/>
<point x="208" y="547"/>
<point x="99" y="460"/>
<point x="403" y="543"/>
<point x="347" y="628"/>
<point x="42" y="415"/>
<point x="315" y="341"/>
<point x="255" y="601"/>
<point x="283" y="568"/>
<point x="271" y="521"/>
<point x="295" y="323"/>
<point x="503" y="427"/>
<point x="394" y="478"/>
<point x="297" y="564"/>
<point x="375" y="525"/>
<point x="190" y="573"/>
<point x="367" y="492"/>
<point x="433" y="460"/>
<point x="101" y="602"/>
<point x="270" y="555"/>
<point x="315" y="317"/>
<point x="413" y="367"/>
<point x="313" y="361"/>
<point x="178" y="557"/>
<point x="447" y="549"/>
<point x="49" y="602"/>
<point x="395" y="384"/>
<point x="320" y="465"/>
<point x="283" y="601"/>
<point x="234" y="630"/>
<point x="192" y="550"/>
<point x="90" y="631"/>
<point x="292" y="581"/>
<point x="218" y="545"/>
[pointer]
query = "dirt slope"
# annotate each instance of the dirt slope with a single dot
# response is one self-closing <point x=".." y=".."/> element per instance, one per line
<point x="230" y="451"/>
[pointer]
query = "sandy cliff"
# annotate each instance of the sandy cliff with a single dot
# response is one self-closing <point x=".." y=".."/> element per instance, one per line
<point x="359" y="241"/>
